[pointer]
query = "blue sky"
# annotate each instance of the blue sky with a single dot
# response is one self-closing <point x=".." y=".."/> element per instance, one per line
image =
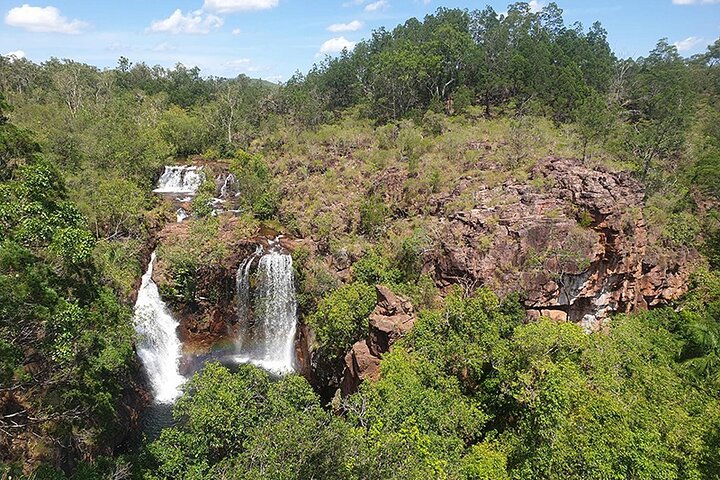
<point x="272" y="39"/>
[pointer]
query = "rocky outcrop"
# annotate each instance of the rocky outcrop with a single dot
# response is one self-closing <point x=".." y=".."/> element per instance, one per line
<point x="572" y="239"/>
<point x="392" y="318"/>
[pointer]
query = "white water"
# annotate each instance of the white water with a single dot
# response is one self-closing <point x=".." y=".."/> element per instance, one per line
<point x="181" y="214"/>
<point x="158" y="347"/>
<point x="229" y="186"/>
<point x="180" y="179"/>
<point x="267" y="312"/>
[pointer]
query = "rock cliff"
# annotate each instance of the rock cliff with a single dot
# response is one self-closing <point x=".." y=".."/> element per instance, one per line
<point x="571" y="239"/>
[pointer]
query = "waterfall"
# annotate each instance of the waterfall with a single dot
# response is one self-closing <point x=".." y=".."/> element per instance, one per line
<point x="180" y="179"/>
<point x="229" y="186"/>
<point x="267" y="310"/>
<point x="181" y="214"/>
<point x="158" y="345"/>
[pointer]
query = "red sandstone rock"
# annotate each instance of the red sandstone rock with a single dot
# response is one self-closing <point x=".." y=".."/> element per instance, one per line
<point x="577" y="246"/>
<point x="392" y="318"/>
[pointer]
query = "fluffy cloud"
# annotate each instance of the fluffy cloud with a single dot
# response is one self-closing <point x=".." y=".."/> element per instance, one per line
<point x="346" y="27"/>
<point x="379" y="5"/>
<point x="687" y="44"/>
<point x="536" y="6"/>
<point x="236" y="31"/>
<point x="42" y="19"/>
<point x="163" y="47"/>
<point x="16" y="55"/>
<point x="230" y="6"/>
<point x="694" y="2"/>
<point x="194" y="22"/>
<point x="336" y="45"/>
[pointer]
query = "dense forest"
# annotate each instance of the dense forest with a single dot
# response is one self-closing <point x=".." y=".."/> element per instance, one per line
<point x="367" y="157"/>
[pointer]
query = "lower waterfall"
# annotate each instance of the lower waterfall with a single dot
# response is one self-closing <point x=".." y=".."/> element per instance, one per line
<point x="267" y="310"/>
<point x="158" y="346"/>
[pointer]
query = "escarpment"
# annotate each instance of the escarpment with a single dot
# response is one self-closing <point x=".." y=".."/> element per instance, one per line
<point x="572" y="240"/>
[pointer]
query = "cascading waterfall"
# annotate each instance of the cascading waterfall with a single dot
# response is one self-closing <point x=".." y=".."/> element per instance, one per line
<point x="230" y="185"/>
<point x="180" y="179"/>
<point x="267" y="310"/>
<point x="159" y="347"/>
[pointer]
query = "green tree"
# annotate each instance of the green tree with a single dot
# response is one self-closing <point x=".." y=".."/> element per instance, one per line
<point x="341" y="317"/>
<point x="594" y="120"/>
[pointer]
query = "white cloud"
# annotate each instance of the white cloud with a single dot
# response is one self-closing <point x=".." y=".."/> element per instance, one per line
<point x="346" y="27"/>
<point x="236" y="31"/>
<point x="42" y="19"/>
<point x="230" y="6"/>
<point x="117" y="47"/>
<point x="163" y="47"/>
<point x="244" y="65"/>
<point x="688" y="44"/>
<point x="694" y="2"/>
<point x="194" y="22"/>
<point x="336" y="45"/>
<point x="353" y="3"/>
<point x="239" y="64"/>
<point x="16" y="55"/>
<point x="536" y="6"/>
<point x="372" y="7"/>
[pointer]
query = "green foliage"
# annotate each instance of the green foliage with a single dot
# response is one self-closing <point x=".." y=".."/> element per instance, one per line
<point x="373" y="214"/>
<point x="183" y="132"/>
<point x="341" y="317"/>
<point x="593" y="120"/>
<point x="114" y="207"/>
<point x="472" y="392"/>
<point x="202" y="202"/>
<point x="56" y="313"/>
<point x="661" y="99"/>
<point x="257" y="186"/>
<point x="313" y="277"/>
<point x="485" y="462"/>
<point x="585" y="219"/>
<point x="701" y="327"/>
<point x="227" y="420"/>
<point x="373" y="268"/>
<point x="414" y="393"/>
<point x="682" y="229"/>
<point x="468" y="336"/>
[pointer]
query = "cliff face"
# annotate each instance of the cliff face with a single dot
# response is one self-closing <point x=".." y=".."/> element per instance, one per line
<point x="571" y="239"/>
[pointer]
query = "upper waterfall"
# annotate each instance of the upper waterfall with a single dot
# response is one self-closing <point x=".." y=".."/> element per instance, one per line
<point x="158" y="345"/>
<point x="267" y="310"/>
<point x="180" y="179"/>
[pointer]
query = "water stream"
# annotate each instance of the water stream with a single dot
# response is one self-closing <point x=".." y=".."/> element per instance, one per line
<point x="267" y="310"/>
<point x="158" y="345"/>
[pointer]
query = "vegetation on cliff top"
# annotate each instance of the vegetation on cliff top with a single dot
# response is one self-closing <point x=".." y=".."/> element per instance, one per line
<point x="351" y="155"/>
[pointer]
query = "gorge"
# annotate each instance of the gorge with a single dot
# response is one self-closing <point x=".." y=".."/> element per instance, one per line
<point x="476" y="246"/>
<point x="266" y="319"/>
